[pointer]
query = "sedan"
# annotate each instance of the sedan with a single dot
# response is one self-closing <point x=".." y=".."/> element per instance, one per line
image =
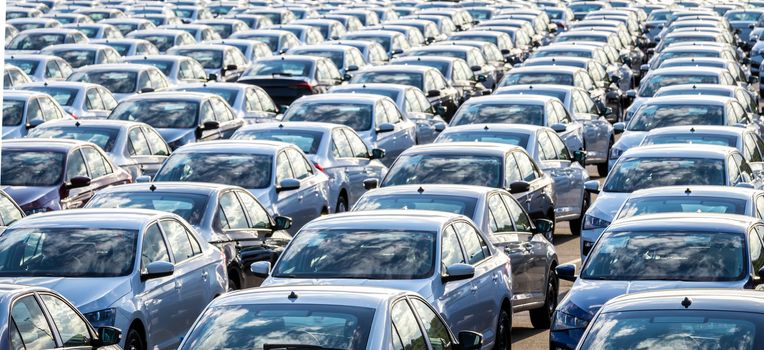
<point x="222" y="63"/>
<point x="254" y="318"/>
<point x="249" y="102"/>
<point x="80" y="100"/>
<point x="38" y="39"/>
<point x="746" y="140"/>
<point x="277" y="173"/>
<point x="125" y="268"/>
<point x="122" y="80"/>
<point x="25" y="110"/>
<point x="279" y="41"/>
<point x="440" y="255"/>
<point x="129" y="47"/>
<point x="163" y="39"/>
<point x="96" y="30"/>
<point x="78" y="55"/>
<point x="39" y="67"/>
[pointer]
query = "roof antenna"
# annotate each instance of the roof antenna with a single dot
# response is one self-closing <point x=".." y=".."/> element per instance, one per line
<point x="77" y="123"/>
<point x="692" y="129"/>
<point x="687" y="191"/>
<point x="420" y="190"/>
<point x="281" y="125"/>
<point x="152" y="187"/>
<point x="485" y="127"/>
<point x="292" y="296"/>
<point x="686" y="302"/>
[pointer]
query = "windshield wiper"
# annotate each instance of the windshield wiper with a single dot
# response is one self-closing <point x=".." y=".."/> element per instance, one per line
<point x="283" y="74"/>
<point x="295" y="347"/>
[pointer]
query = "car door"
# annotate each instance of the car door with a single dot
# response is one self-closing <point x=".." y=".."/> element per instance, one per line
<point x="539" y="246"/>
<point x="506" y="238"/>
<point x="94" y="104"/>
<point x="310" y="194"/>
<point x="363" y="166"/>
<point x="75" y="167"/>
<point x="160" y="297"/>
<point x="454" y="299"/>
<point x="28" y="326"/>
<point x="537" y="206"/>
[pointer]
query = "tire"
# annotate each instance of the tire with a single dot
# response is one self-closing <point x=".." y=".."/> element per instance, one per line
<point x="541" y="318"/>
<point x="232" y="285"/>
<point x="503" y="331"/>
<point x="134" y="340"/>
<point x="342" y="204"/>
<point x="602" y="169"/>
<point x="550" y="237"/>
<point x="575" y="225"/>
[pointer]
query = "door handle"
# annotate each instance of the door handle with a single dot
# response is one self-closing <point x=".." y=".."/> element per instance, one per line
<point x="528" y="245"/>
<point x="474" y="289"/>
<point x="204" y="276"/>
<point x="495" y="276"/>
<point x="300" y="197"/>
<point x="178" y="285"/>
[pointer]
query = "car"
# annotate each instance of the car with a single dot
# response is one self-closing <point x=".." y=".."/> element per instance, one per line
<point x="13" y="76"/>
<point x="68" y="17"/>
<point x="346" y="58"/>
<point x="177" y="69"/>
<point x="200" y="32"/>
<point x="413" y="35"/>
<point x="393" y="42"/>
<point x="373" y="52"/>
<point x="10" y="212"/>
<point x="456" y="71"/>
<point x="410" y="250"/>
<point x="25" y="110"/>
<point x="736" y="69"/>
<point x="22" y="24"/>
<point x="330" y="29"/>
<point x="746" y="140"/>
<point x="221" y="62"/>
<point x="744" y="20"/>
<point x="472" y="55"/>
<point x="682" y="37"/>
<point x="37" y="39"/>
<point x="439" y="92"/>
<point x="129" y="47"/>
<point x="249" y="102"/>
<point x="96" y="30"/>
<point x="27" y="311"/>
<point x="163" y="39"/>
<point x="123" y="268"/>
<point x="122" y="80"/>
<point x="336" y="150"/>
<point x="39" y="67"/>
<point x="375" y="118"/>
<point x="10" y="32"/>
<point x="98" y="15"/>
<point x="277" y="173"/>
<point x="192" y="13"/>
<point x="583" y="51"/>
<point x="747" y="98"/>
<point x="659" y="112"/>
<point x="699" y="50"/>
<point x="276" y="15"/>
<point x="78" y="55"/>
<point x="639" y="168"/>
<point x="653" y="252"/>
<point x="308" y="35"/>
<point x="45" y="175"/>
<point x="351" y="23"/>
<point x="379" y="317"/>
<point x="80" y="100"/>
<point x="126" y="25"/>
<point x="253" y="21"/>
<point x="288" y="77"/>
<point x="280" y="41"/>
<point x="181" y="118"/>
<point x="225" y="27"/>
<point x="502" y="41"/>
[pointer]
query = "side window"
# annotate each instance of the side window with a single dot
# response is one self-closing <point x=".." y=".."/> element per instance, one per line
<point x="137" y="145"/>
<point x="184" y="71"/>
<point x="562" y="114"/>
<point x="222" y="113"/>
<point x="429" y="82"/>
<point x="179" y="239"/>
<point x="512" y="171"/>
<point x="49" y="110"/>
<point x="156" y="142"/>
<point x="519" y="217"/>
<point x="561" y="151"/>
<point x="300" y="165"/>
<point x="437" y="332"/>
<point x="551" y="114"/>
<point x="95" y="162"/>
<point x="341" y="146"/>
<point x="230" y="212"/>
<point x="52" y="70"/>
<point x="154" y="247"/>
<point x="8" y="212"/>
<point x="31" y="324"/>
<point x="109" y="102"/>
<point x="578" y="102"/>
<point x="451" y="251"/>
<point x="359" y="147"/>
<point x="75" y="165"/>
<point x="33" y="110"/>
<point x="207" y="114"/>
<point x="266" y="102"/>
<point x="760" y="206"/>
<point x="740" y="111"/>
<point x="393" y="115"/>
<point x="258" y="217"/>
<point x="380" y="115"/>
<point x="406" y="332"/>
<point x="143" y="81"/>
<point x="734" y="172"/>
<point x="424" y="102"/>
<point x="72" y="328"/>
<point x="745" y="170"/>
<point x="93" y="100"/>
<point x="546" y="149"/>
<point x="500" y="214"/>
<point x="754" y="247"/>
<point x="283" y="170"/>
<point x="749" y="147"/>
<point x="251" y="102"/>
<point x="474" y="246"/>
<point x="322" y="74"/>
<point x="527" y="169"/>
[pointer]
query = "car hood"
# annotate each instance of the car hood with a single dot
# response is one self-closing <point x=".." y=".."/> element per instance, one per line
<point x="172" y="135"/>
<point x="24" y="195"/>
<point x="421" y="286"/>
<point x="630" y="139"/>
<point x="87" y="294"/>
<point x="607" y="204"/>
<point x="590" y="295"/>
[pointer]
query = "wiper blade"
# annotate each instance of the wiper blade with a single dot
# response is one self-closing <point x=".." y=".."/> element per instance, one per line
<point x="283" y="74"/>
<point x="295" y="347"/>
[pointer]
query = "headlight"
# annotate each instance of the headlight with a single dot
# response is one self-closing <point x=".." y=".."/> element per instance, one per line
<point x="591" y="222"/>
<point x="564" y="321"/>
<point x="102" y="318"/>
<point x="615" y="153"/>
<point x="587" y="247"/>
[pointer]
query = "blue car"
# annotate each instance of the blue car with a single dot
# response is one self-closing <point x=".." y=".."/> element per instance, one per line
<point x="661" y="251"/>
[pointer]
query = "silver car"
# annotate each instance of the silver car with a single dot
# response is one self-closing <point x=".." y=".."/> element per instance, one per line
<point x="13" y="76"/>
<point x="129" y="47"/>
<point x="334" y="149"/>
<point x="133" y="146"/>
<point x="249" y="102"/>
<point x="223" y="63"/>
<point x="81" y="100"/>
<point x="78" y="55"/>
<point x="122" y="80"/>
<point x="164" y="39"/>
<point x="177" y="69"/>
<point x="96" y="30"/>
<point x="39" y="67"/>
<point x="441" y="256"/>
<point x="277" y="173"/>
<point x="375" y="118"/>
<point x="308" y="317"/>
<point x="142" y="271"/>
<point x="25" y="110"/>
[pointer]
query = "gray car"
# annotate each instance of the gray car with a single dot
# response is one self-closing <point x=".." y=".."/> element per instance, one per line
<point x="164" y="39"/>
<point x="133" y="146"/>
<point x="375" y="118"/>
<point x="39" y="67"/>
<point x="280" y="41"/>
<point x="249" y="102"/>
<point x="177" y="69"/>
<point x="78" y="55"/>
<point x="26" y="314"/>
<point x="495" y="211"/>
<point x="336" y="150"/>
<point x="223" y="63"/>
<point x="441" y="256"/>
<point x="122" y="80"/>
<point x="37" y="39"/>
<point x="81" y="100"/>
<point x="25" y="110"/>
<point x="378" y="317"/>
<point x="129" y="47"/>
<point x="13" y="76"/>
<point x="277" y="173"/>
<point x="142" y="271"/>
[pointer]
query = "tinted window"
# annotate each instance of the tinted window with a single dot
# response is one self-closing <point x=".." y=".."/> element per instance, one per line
<point x="406" y="328"/>
<point x="179" y="240"/>
<point x="13" y="112"/>
<point x="31" y="324"/>
<point x="71" y="327"/>
<point x="115" y="81"/>
<point x="631" y="174"/>
<point x="355" y="116"/>
<point x="662" y="115"/>
<point x="445" y="169"/>
<point x="245" y="170"/>
<point x="307" y="141"/>
<point x="682" y="204"/>
<point x="47" y="168"/>
<point x="500" y="113"/>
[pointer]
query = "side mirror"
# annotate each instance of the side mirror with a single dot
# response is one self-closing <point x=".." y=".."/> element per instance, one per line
<point x="147" y="90"/>
<point x="753" y="79"/>
<point x="519" y="187"/>
<point x="433" y="93"/>
<point x="626" y="60"/>
<point x="619" y="127"/>
<point x="559" y="127"/>
<point x="231" y="67"/>
<point x="351" y="68"/>
<point x="644" y="68"/>
<point x="346" y="77"/>
<point x="566" y="272"/>
<point x="34" y="123"/>
<point x="385" y="127"/>
<point x="606" y="112"/>
<point x="580" y="157"/>
<point x="79" y="181"/>
<point x="592" y="186"/>
<point x="377" y="153"/>
<point x="212" y="77"/>
<point x="458" y="272"/>
<point x="108" y="336"/>
<point x="261" y="269"/>
<point x="746" y="60"/>
<point x="505" y="51"/>
<point x="440" y="126"/>
<point x="759" y="274"/>
<point x="615" y="79"/>
<point x="143" y="179"/>
<point x="397" y="51"/>
<point x="469" y="340"/>
<point x="543" y="226"/>
<point x="631" y="94"/>
<point x="210" y="125"/>
<point x="157" y="269"/>
<point x="481" y="78"/>
<point x="282" y="222"/>
<point x="476" y="68"/>
<point x="370" y="184"/>
<point x="288" y="185"/>
<point x="441" y="110"/>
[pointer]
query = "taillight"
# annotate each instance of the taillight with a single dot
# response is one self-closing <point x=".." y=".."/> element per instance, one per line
<point x="302" y="85"/>
<point x="319" y="167"/>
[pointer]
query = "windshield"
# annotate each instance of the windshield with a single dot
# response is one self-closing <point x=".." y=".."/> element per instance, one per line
<point x="308" y="141"/>
<point x="159" y="114"/>
<point x="560" y="95"/>
<point x="744" y="16"/>
<point x="36" y="41"/>
<point x="542" y="78"/>
<point x="122" y="49"/>
<point x="440" y="53"/>
<point x="251" y="326"/>
<point x="672" y="256"/>
<point x="103" y="137"/>
<point x="238" y="169"/>
<point x="683" y="204"/>
<point x="77" y="58"/>
<point x="657" y="81"/>
<point x="674" y="92"/>
<point x="391" y="93"/>
<point x="563" y="53"/>
<point x="210" y="59"/>
<point x="116" y="82"/>
<point x="13" y="112"/>
<point x="582" y="37"/>
<point x="662" y="115"/>
<point x="486" y="136"/>
<point x="31" y="168"/>
<point x="67" y="252"/>
<point x="703" y="139"/>
<point x="64" y="96"/>
<point x="271" y="41"/>
<point x="162" y="42"/>
<point x="337" y="57"/>
<point x="461" y="169"/>
<point x="401" y="78"/>
<point x="443" y="67"/>
<point x="28" y="66"/>
<point x="163" y="65"/>
<point x="357" y="253"/>
<point x="356" y="116"/>
<point x="631" y="174"/>
<point x="500" y="114"/>
<point x="186" y="205"/>
<point x="281" y="68"/>
<point x="384" y="41"/>
<point x="446" y="203"/>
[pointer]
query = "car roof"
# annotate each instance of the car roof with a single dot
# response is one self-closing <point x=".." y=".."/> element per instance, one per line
<point x="342" y="98"/>
<point x="697" y="191"/>
<point x="233" y="146"/>
<point x="689" y="99"/>
<point x="291" y="58"/>
<point x="700" y="129"/>
<point x="210" y="85"/>
<point x="171" y="58"/>
<point x="550" y="68"/>
<point x="58" y="30"/>
<point x="172" y="96"/>
<point x="406" y="59"/>
<point x="354" y="296"/>
<point x="115" y="67"/>
<point x="444" y="47"/>
<point x="701" y="87"/>
<point x="32" y="57"/>
<point x="679" y="150"/>
<point x="530" y="87"/>
<point x="497" y="127"/>
<point x="673" y="222"/>
<point x="117" y="218"/>
<point x="514" y="99"/>
<point x="82" y="46"/>
<point x="399" y="68"/>
<point x="477" y="148"/>
<point x="746" y="301"/>
<point x="303" y="126"/>
<point x="202" y="46"/>
<point x="22" y="94"/>
<point x="419" y="220"/>
<point x="381" y="86"/>
<point x="433" y="189"/>
<point x="322" y="46"/>
<point x="91" y="123"/>
<point x="204" y="188"/>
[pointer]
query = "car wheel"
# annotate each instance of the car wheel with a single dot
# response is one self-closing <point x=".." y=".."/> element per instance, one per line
<point x="503" y="332"/>
<point x="134" y="341"/>
<point x="342" y="204"/>
<point x="602" y="168"/>
<point x="575" y="225"/>
<point x="232" y="285"/>
<point x="550" y="236"/>
<point x="541" y="318"/>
